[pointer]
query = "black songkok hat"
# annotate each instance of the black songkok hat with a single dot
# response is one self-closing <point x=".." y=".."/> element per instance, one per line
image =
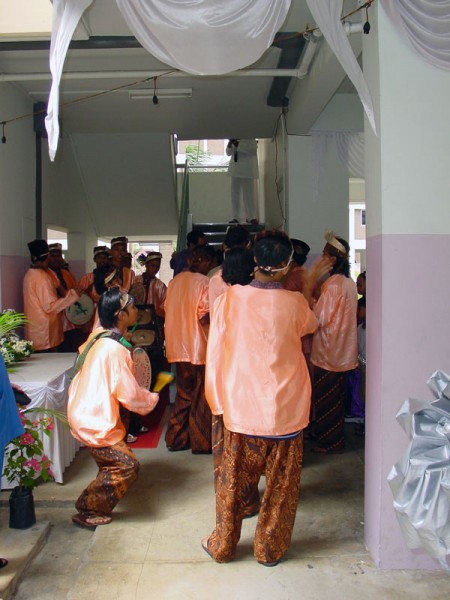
<point x="119" y="240"/>
<point x="38" y="250"/>
<point x="301" y="250"/>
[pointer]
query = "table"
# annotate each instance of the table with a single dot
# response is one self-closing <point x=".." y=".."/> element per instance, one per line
<point x="45" y="378"/>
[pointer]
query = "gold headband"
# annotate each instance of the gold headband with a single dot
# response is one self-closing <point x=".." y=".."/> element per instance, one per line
<point x="331" y="239"/>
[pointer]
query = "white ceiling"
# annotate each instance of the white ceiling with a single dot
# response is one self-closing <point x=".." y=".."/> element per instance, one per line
<point x="220" y="107"/>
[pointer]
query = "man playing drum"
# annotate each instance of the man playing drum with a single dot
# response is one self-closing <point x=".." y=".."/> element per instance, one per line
<point x="104" y="382"/>
<point x="42" y="304"/>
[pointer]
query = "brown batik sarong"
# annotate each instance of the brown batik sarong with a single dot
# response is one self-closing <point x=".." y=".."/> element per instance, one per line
<point x="252" y="502"/>
<point x="118" y="468"/>
<point x="190" y="421"/>
<point x="244" y="460"/>
<point x="328" y="396"/>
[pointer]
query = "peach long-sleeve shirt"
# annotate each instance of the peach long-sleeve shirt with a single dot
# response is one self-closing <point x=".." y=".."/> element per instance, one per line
<point x="256" y="373"/>
<point x="156" y="293"/>
<point x="186" y="303"/>
<point x="105" y="381"/>
<point x="43" y="307"/>
<point x="335" y="345"/>
<point x="217" y="287"/>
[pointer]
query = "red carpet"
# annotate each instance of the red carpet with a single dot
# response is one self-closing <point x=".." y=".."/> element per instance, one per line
<point x="155" y="422"/>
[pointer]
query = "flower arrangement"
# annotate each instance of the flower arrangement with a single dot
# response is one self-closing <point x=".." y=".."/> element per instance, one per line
<point x="25" y="460"/>
<point x="12" y="348"/>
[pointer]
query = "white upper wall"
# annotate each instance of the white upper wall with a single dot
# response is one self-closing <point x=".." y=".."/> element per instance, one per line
<point x="414" y="200"/>
<point x="17" y="174"/>
<point x="344" y="111"/>
<point x="28" y="19"/>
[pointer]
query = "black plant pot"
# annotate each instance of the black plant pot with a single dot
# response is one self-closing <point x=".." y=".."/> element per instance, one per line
<point x="21" y="508"/>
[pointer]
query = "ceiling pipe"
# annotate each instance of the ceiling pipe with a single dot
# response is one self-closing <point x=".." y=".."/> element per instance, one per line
<point x="77" y="75"/>
<point x="300" y="72"/>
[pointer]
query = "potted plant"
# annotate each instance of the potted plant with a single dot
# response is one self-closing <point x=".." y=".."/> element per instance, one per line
<point x="27" y="465"/>
<point x="12" y="348"/>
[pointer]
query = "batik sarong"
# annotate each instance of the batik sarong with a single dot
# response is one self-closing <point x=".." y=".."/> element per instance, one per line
<point x="252" y="502"/>
<point x="244" y="460"/>
<point x="118" y="469"/>
<point x="328" y="396"/>
<point x="190" y="422"/>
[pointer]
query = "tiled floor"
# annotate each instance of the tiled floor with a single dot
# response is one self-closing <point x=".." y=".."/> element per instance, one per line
<point x="152" y="547"/>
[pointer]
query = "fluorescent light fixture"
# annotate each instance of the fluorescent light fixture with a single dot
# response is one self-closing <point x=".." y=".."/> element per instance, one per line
<point x="148" y="93"/>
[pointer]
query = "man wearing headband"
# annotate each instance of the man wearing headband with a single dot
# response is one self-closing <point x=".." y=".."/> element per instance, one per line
<point x="86" y="284"/>
<point x="335" y="348"/>
<point x="73" y="336"/>
<point x="44" y="300"/>
<point x="256" y="376"/>
<point x="103" y="383"/>
<point x="155" y="289"/>
<point x="122" y="276"/>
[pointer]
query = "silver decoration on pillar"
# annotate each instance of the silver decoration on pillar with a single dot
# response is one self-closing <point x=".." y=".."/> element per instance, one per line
<point x="420" y="481"/>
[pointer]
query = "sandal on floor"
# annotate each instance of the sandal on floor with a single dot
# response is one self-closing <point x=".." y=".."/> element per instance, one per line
<point x="204" y="543"/>
<point x="269" y="564"/>
<point x="3" y="562"/>
<point x="90" y="522"/>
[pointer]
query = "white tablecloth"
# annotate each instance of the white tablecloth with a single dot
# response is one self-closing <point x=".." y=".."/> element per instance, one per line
<point x="45" y="378"/>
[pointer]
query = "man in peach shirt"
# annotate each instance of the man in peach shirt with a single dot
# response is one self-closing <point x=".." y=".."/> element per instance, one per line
<point x="104" y="382"/>
<point x="335" y="346"/>
<point x="44" y="300"/>
<point x="187" y="315"/>
<point x="256" y="375"/>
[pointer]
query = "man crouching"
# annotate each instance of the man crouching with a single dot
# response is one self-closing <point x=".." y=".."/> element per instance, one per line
<point x="104" y="380"/>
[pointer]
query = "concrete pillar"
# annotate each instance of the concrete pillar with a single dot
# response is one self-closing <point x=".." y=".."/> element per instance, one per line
<point x="309" y="217"/>
<point x="408" y="249"/>
<point x="79" y="262"/>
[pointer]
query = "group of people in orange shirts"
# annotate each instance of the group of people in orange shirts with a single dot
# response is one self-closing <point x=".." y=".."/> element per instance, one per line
<point x="243" y="388"/>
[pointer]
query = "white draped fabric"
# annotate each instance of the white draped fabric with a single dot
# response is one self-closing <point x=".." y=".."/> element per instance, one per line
<point x="203" y="37"/>
<point x="212" y="38"/>
<point x="327" y="14"/>
<point x="350" y="150"/>
<point x="425" y="24"/>
<point x="66" y="16"/>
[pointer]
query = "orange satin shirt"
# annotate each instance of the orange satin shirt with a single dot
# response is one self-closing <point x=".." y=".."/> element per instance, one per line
<point x="156" y="293"/>
<point x="105" y="382"/>
<point x="256" y="373"/>
<point x="43" y="308"/>
<point x="217" y="287"/>
<point x="186" y="303"/>
<point x="335" y="345"/>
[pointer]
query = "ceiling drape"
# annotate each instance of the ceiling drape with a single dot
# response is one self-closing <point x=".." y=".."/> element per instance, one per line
<point x="425" y="25"/>
<point x="212" y="38"/>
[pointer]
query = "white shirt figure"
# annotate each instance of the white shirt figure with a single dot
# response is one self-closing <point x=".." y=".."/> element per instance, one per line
<point x="243" y="169"/>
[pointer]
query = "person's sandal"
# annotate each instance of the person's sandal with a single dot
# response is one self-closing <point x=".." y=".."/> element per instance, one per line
<point x="131" y="438"/>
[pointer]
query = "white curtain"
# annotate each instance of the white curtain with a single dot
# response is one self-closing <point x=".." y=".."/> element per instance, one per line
<point x="425" y="24"/>
<point x="205" y="37"/>
<point x="197" y="36"/>
<point x="327" y="14"/>
<point x="66" y="15"/>
<point x="350" y="149"/>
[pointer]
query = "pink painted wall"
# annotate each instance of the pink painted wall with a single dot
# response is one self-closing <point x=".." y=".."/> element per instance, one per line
<point x="12" y="271"/>
<point x="408" y="332"/>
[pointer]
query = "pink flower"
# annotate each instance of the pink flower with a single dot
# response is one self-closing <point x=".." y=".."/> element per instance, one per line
<point x="50" y="425"/>
<point x="23" y="419"/>
<point x="35" y="423"/>
<point x="26" y="439"/>
<point x="44" y="458"/>
<point x="33" y="463"/>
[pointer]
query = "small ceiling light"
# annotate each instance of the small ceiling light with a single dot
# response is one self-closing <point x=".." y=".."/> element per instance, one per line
<point x="155" y="97"/>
